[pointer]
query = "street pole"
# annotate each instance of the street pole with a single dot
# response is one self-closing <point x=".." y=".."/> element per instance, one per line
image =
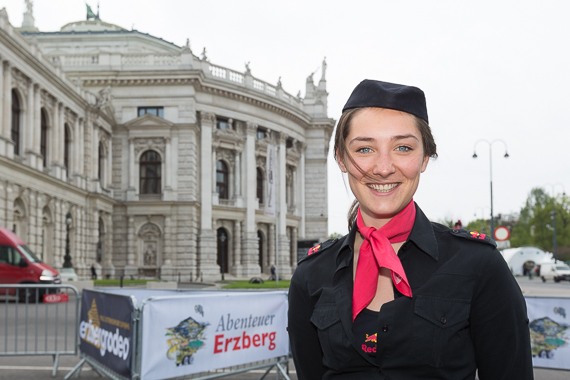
<point x="506" y="155"/>
<point x="554" y="243"/>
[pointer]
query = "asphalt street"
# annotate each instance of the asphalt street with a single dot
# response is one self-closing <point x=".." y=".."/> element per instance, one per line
<point x="40" y="367"/>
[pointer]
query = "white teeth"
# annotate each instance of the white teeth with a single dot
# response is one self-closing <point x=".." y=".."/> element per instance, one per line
<point x="383" y="188"/>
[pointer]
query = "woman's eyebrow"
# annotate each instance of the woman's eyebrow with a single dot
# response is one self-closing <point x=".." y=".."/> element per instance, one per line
<point x="394" y="138"/>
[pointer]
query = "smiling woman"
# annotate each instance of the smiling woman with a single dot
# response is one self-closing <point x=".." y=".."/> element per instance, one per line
<point x="399" y="296"/>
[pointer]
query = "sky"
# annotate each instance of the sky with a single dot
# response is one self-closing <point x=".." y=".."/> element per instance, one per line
<point x="496" y="76"/>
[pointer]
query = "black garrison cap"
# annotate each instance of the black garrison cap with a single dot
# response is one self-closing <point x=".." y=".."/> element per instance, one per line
<point x="374" y="93"/>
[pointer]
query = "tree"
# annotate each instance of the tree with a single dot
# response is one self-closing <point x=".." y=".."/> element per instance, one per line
<point x="544" y="221"/>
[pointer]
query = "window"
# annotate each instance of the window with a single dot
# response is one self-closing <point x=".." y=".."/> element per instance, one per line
<point x="156" y="111"/>
<point x="44" y="135"/>
<point x="261" y="133"/>
<point x="66" y="146"/>
<point x="260" y="248"/>
<point x="150" y="177"/>
<point x="223" y="253"/>
<point x="290" y="186"/>
<point x="223" y="123"/>
<point x="260" y="185"/>
<point x="16" y="112"/>
<point x="101" y="162"/>
<point x="222" y="180"/>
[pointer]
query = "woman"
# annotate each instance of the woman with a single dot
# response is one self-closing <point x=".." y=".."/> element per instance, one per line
<point x="400" y="297"/>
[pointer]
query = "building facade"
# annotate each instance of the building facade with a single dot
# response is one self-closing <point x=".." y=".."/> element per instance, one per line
<point x="124" y="151"/>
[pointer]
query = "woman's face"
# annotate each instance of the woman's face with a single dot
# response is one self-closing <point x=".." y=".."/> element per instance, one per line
<point x="386" y="146"/>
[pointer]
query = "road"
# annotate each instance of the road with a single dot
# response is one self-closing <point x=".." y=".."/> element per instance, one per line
<point x="40" y="367"/>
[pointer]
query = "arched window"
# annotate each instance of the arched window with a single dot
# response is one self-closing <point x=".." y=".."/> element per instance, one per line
<point x="260" y="248"/>
<point x="222" y="180"/>
<point x="66" y="146"/>
<point x="16" y="113"/>
<point x="290" y="187"/>
<point x="44" y="136"/>
<point x="260" y="185"/>
<point x="100" y="242"/>
<point x="150" y="177"/>
<point x="223" y="253"/>
<point x="101" y="163"/>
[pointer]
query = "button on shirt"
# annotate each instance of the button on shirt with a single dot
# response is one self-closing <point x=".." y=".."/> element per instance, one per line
<point x="467" y="313"/>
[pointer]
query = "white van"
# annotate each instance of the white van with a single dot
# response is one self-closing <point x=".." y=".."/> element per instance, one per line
<point x="557" y="271"/>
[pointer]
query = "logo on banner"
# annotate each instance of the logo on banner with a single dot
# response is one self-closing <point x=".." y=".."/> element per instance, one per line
<point x="106" y="341"/>
<point x="547" y="335"/>
<point x="184" y="340"/>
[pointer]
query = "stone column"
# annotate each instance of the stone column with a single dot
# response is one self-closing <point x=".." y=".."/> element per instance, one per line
<point x="271" y="245"/>
<point x="236" y="259"/>
<point x="6" y="105"/>
<point x="38" y="127"/>
<point x="237" y="176"/>
<point x="283" y="267"/>
<point x="79" y="157"/>
<point x="31" y="130"/>
<point x="108" y="246"/>
<point x="302" y="188"/>
<point x="3" y="135"/>
<point x="207" y="249"/>
<point x="250" y="244"/>
<point x="294" y="239"/>
<point x="131" y="269"/>
<point x="167" y="168"/>
<point x="131" y="186"/>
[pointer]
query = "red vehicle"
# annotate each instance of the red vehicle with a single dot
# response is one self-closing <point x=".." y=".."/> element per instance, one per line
<point x="19" y="265"/>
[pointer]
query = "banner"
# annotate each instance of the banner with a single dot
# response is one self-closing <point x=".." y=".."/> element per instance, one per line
<point x="549" y="323"/>
<point x="270" y="169"/>
<point x="106" y="330"/>
<point x="182" y="335"/>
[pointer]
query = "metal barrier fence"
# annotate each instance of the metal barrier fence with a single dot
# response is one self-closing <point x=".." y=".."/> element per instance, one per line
<point x="155" y="334"/>
<point x="39" y="320"/>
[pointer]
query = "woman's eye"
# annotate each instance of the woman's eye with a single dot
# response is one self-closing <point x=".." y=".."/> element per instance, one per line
<point x="403" y="148"/>
<point x="364" y="150"/>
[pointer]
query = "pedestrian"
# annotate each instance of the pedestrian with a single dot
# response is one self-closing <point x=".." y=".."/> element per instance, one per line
<point x="400" y="297"/>
<point x="93" y="272"/>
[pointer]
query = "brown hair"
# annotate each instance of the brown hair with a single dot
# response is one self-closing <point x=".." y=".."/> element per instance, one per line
<point x="340" y="152"/>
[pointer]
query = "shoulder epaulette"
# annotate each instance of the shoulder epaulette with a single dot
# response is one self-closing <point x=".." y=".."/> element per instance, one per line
<point x="474" y="235"/>
<point x="317" y="249"/>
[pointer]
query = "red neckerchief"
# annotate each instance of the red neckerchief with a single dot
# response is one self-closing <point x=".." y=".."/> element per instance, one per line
<point x="376" y="251"/>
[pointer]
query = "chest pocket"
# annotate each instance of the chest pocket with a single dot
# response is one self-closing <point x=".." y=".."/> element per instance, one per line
<point x="334" y="343"/>
<point x="442" y="327"/>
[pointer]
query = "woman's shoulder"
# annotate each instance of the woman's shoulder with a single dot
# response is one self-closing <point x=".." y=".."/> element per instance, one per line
<point x="325" y="248"/>
<point x="463" y="236"/>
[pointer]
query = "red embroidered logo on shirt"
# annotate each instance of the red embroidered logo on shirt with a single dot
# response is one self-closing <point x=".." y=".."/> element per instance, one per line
<point x="371" y="338"/>
<point x="369" y="345"/>
<point x="314" y="249"/>
<point x="477" y="235"/>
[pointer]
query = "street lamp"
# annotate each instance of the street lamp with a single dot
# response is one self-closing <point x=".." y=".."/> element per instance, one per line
<point x="506" y="155"/>
<point x="554" y="244"/>
<point x="67" y="257"/>
<point x="553" y="215"/>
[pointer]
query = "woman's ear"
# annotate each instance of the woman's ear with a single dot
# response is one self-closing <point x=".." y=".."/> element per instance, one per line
<point x="341" y="164"/>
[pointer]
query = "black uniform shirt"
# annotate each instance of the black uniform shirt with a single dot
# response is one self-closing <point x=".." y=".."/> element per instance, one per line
<point x="467" y="313"/>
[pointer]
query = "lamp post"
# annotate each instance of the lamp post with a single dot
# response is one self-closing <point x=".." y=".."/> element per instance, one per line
<point x="554" y="244"/>
<point x="506" y="155"/>
<point x="553" y="215"/>
<point x="67" y="257"/>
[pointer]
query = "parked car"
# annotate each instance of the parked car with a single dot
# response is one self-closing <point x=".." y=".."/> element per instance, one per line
<point x="19" y="265"/>
<point x="557" y="271"/>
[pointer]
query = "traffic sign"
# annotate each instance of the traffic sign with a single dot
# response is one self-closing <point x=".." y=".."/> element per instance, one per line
<point x="502" y="233"/>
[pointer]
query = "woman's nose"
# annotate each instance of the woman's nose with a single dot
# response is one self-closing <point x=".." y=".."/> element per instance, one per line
<point x="383" y="166"/>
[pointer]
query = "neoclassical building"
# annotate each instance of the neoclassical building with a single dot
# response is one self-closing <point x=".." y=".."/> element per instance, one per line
<point x="124" y="151"/>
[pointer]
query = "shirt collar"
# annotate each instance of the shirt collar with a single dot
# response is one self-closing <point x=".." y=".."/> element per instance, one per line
<point x="422" y="236"/>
